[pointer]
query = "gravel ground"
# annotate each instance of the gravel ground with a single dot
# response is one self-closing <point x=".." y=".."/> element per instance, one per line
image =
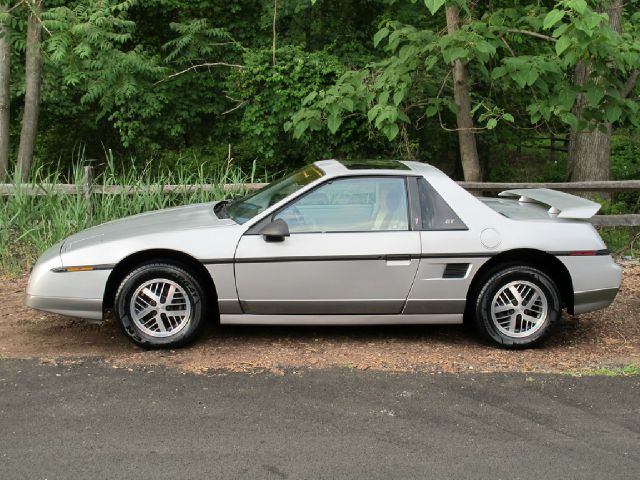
<point x="607" y="338"/>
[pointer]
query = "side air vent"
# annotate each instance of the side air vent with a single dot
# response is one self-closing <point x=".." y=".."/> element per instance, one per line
<point x="455" y="270"/>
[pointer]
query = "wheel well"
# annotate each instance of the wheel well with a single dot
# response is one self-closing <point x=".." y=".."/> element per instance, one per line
<point x="534" y="258"/>
<point x="126" y="265"/>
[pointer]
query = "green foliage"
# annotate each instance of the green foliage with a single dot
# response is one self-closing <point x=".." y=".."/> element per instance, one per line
<point x="528" y="48"/>
<point x="367" y="78"/>
<point x="120" y="74"/>
<point x="580" y="36"/>
<point x="197" y="40"/>
<point x="379" y="91"/>
<point x="267" y="96"/>
<point x="625" y="155"/>
<point x="434" y="5"/>
<point x="622" y="241"/>
<point x="32" y="223"/>
<point x="90" y="47"/>
<point x="585" y="36"/>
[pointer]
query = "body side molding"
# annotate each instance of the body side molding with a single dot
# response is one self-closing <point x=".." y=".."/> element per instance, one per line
<point x="247" y="319"/>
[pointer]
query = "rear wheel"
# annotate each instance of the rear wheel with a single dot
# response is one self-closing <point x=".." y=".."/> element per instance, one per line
<point x="161" y="305"/>
<point x="517" y="307"/>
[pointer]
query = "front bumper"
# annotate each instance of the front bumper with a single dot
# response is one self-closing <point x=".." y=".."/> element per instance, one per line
<point x="89" y="308"/>
<point x="76" y="294"/>
<point x="591" y="300"/>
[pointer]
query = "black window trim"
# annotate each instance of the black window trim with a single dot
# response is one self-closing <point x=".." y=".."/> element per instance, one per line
<point x="415" y="210"/>
<point x="411" y="205"/>
<point x="416" y="192"/>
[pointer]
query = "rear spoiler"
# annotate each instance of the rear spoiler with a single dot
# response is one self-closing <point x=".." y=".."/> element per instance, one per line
<point x="562" y="205"/>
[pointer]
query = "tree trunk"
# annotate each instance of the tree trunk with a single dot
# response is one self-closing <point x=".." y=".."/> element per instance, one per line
<point x="33" y="81"/>
<point x="590" y="151"/>
<point x="590" y="155"/>
<point x="5" y="97"/>
<point x="275" y="20"/>
<point x="466" y="135"/>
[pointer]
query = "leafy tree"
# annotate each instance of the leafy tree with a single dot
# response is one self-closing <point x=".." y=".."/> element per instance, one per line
<point x="408" y="81"/>
<point x="91" y="45"/>
<point x="530" y="47"/>
<point x="171" y="82"/>
<point x="268" y="95"/>
<point x="583" y="76"/>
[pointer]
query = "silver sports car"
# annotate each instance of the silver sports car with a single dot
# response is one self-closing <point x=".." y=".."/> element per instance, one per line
<point x="340" y="243"/>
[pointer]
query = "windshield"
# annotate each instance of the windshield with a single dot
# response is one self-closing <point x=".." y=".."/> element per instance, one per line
<point x="248" y="207"/>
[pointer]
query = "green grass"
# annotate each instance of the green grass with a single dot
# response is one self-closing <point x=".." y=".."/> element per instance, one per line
<point x="622" y="241"/>
<point x="29" y="224"/>
<point x="626" y="371"/>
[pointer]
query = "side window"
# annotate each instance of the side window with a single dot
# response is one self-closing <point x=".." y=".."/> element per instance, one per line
<point x="436" y="213"/>
<point x="351" y="205"/>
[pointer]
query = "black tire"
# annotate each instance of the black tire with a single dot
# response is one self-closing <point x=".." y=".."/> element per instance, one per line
<point x="194" y="294"/>
<point x="493" y="284"/>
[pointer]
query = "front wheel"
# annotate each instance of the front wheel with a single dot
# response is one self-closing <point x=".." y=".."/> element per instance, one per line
<point x="517" y="307"/>
<point x="161" y="305"/>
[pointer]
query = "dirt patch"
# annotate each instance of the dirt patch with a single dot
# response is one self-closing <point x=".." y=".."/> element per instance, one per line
<point x="601" y="339"/>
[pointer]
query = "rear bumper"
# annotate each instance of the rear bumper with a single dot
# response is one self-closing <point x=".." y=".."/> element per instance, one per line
<point x="88" y="308"/>
<point x="590" y="300"/>
<point x="596" y="280"/>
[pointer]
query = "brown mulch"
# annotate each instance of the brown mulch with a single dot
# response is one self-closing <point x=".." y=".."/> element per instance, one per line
<point x="608" y="338"/>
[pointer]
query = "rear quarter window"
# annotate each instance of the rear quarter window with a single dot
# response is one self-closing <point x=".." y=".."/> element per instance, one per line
<point x="436" y="212"/>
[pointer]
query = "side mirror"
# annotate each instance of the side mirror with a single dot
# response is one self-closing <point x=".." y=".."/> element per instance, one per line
<point x="275" y="231"/>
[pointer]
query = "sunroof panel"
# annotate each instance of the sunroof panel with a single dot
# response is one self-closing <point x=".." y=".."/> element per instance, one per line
<point x="381" y="164"/>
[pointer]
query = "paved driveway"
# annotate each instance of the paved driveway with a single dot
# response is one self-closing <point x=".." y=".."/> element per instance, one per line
<point x="92" y="421"/>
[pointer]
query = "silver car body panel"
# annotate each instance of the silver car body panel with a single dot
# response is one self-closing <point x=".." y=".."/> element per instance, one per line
<point x="384" y="277"/>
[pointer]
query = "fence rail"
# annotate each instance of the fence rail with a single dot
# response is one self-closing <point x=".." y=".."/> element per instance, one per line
<point x="47" y="188"/>
<point x="87" y="188"/>
<point x="595" y="186"/>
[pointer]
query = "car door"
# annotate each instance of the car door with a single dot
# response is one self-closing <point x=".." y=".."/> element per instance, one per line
<point x="351" y="250"/>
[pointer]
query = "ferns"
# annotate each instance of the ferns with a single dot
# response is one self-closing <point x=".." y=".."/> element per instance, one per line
<point x="197" y="41"/>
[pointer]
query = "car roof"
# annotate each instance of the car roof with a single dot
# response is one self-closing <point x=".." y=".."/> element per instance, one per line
<point x="373" y="167"/>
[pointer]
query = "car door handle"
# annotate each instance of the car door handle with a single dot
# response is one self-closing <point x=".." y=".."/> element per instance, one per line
<point x="398" y="260"/>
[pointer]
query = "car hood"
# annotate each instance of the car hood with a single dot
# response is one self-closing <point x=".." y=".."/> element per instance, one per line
<point x="172" y="219"/>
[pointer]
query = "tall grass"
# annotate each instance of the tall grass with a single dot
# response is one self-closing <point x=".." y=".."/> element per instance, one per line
<point x="31" y="223"/>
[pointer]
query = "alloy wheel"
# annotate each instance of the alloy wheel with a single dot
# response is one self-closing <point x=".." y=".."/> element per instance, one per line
<point x="160" y="307"/>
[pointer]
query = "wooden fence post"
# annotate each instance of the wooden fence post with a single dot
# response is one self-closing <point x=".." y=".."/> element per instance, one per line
<point x="87" y="189"/>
